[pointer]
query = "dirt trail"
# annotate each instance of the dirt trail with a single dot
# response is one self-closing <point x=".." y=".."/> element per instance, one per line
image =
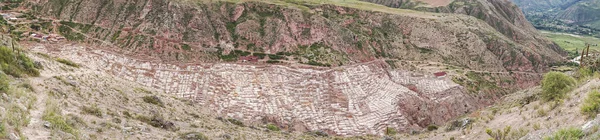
<point x="35" y="129"/>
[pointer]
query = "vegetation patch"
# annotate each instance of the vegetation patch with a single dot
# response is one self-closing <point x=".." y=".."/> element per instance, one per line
<point x="567" y="134"/>
<point x="3" y="131"/>
<point x="93" y="110"/>
<point x="52" y="114"/>
<point x="3" y="82"/>
<point x="186" y="47"/>
<point x="233" y="55"/>
<point x="236" y="122"/>
<point x="68" y="33"/>
<point x="319" y="54"/>
<point x="67" y="62"/>
<point x="153" y="100"/>
<point x="16" y="65"/>
<point x="591" y="104"/>
<point x="507" y="133"/>
<point x="390" y="131"/>
<point x="259" y="55"/>
<point x="392" y="63"/>
<point x="141" y="90"/>
<point x="475" y="82"/>
<point x="555" y="85"/>
<point x="432" y="127"/>
<point x="572" y="43"/>
<point x="273" y="61"/>
<point x="157" y="121"/>
<point x="272" y="127"/>
<point x="276" y="57"/>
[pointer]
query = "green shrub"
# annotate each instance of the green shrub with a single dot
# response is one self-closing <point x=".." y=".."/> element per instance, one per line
<point x="276" y="57"/>
<point x="153" y="100"/>
<point x="236" y="122"/>
<point x="259" y="55"/>
<point x="3" y="130"/>
<point x="16" y="65"/>
<point x="591" y="104"/>
<point x="499" y="134"/>
<point x="272" y="127"/>
<point x="583" y="73"/>
<point x="567" y="134"/>
<point x="3" y="82"/>
<point x="67" y="62"/>
<point x="555" y="85"/>
<point x="542" y="112"/>
<point x="186" y="47"/>
<point x="273" y="61"/>
<point x="432" y="127"/>
<point x="390" y="131"/>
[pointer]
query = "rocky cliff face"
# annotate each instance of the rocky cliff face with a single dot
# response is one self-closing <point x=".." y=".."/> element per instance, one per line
<point x="160" y="43"/>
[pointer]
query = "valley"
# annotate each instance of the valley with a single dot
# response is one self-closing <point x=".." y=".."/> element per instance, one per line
<point x="268" y="69"/>
<point x="571" y="16"/>
<point x="573" y="43"/>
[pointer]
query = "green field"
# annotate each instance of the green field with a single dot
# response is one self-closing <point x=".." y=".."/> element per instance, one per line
<point x="571" y="42"/>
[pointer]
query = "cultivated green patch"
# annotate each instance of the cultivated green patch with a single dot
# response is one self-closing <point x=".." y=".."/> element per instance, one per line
<point x="573" y="43"/>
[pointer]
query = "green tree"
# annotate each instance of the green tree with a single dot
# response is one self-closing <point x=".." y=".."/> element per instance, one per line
<point x="555" y="85"/>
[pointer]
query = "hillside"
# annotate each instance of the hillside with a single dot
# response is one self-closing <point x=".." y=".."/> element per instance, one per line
<point x="572" y="16"/>
<point x="154" y="30"/>
<point x="244" y="69"/>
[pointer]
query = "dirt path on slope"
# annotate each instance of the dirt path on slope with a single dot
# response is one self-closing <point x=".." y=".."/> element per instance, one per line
<point x="35" y="129"/>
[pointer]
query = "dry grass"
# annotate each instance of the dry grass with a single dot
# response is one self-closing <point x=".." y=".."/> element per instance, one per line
<point x="53" y="115"/>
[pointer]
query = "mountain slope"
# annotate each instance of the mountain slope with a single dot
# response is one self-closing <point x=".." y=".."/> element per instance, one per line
<point x="352" y="35"/>
<point x="573" y="16"/>
<point x="372" y="66"/>
<point x="502" y="15"/>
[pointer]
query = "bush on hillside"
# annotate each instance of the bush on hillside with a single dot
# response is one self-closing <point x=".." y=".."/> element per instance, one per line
<point x="272" y="127"/>
<point x="3" y="82"/>
<point x="591" y="104"/>
<point x="555" y="85"/>
<point x="16" y="65"/>
<point x="584" y="72"/>
<point x="153" y="100"/>
<point x="567" y="134"/>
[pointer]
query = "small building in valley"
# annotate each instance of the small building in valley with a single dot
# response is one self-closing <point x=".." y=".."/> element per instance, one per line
<point x="440" y="74"/>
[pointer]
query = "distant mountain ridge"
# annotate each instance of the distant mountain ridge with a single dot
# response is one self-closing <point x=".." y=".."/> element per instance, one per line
<point x="573" y="16"/>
